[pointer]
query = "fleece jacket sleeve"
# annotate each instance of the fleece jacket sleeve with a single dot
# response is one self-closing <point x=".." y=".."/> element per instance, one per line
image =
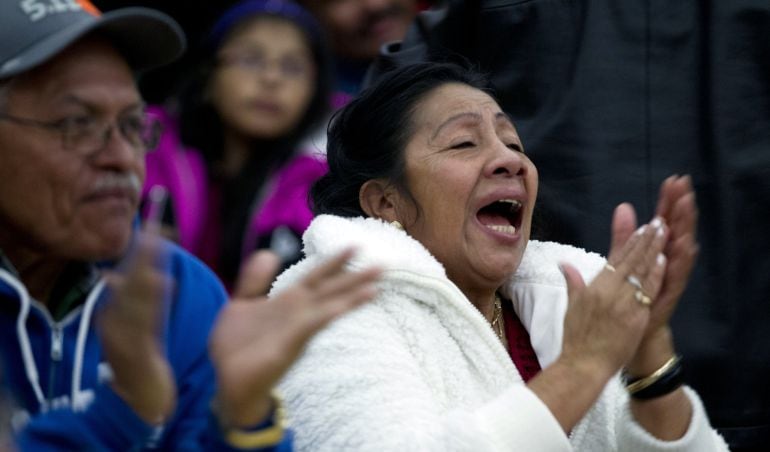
<point x="699" y="437"/>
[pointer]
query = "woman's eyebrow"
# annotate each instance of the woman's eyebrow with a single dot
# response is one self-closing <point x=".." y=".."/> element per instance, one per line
<point x="475" y="117"/>
<point x="505" y="121"/>
<point x="505" y="117"/>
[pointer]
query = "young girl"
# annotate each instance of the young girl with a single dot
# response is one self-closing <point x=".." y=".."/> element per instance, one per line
<point x="240" y="179"/>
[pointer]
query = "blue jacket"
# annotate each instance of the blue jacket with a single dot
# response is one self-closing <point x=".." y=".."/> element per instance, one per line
<point x="56" y="373"/>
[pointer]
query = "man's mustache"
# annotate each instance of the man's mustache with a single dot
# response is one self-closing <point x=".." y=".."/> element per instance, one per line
<point x="118" y="181"/>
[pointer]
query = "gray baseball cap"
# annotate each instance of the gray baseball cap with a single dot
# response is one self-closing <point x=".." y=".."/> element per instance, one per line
<point x="34" y="31"/>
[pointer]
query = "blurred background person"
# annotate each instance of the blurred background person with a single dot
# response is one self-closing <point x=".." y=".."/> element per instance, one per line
<point x="235" y="165"/>
<point x="357" y="29"/>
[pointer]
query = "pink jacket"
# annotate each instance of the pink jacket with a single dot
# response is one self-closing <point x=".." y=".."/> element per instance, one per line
<point x="182" y="171"/>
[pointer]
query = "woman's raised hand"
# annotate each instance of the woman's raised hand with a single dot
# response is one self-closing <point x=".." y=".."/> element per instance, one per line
<point x="676" y="205"/>
<point x="606" y="320"/>
<point x="255" y="341"/>
<point x="621" y="318"/>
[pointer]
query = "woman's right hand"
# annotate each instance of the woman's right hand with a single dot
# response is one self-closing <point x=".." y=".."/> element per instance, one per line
<point x="605" y="320"/>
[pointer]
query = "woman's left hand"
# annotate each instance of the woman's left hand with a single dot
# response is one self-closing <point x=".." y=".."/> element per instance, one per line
<point x="676" y="207"/>
<point x="667" y="417"/>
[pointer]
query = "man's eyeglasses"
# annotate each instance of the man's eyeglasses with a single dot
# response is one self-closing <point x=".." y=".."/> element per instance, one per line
<point x="86" y="135"/>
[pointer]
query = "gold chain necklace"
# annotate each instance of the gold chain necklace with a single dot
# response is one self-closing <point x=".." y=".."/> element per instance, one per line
<point x="497" y="319"/>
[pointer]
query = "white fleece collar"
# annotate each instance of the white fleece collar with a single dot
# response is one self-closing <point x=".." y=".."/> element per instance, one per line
<point x="537" y="289"/>
<point x="379" y="243"/>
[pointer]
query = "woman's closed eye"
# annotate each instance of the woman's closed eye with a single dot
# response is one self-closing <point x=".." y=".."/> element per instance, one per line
<point x="515" y="147"/>
<point x="463" y="145"/>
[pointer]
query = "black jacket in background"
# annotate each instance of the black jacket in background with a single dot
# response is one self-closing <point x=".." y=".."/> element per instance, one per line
<point x="609" y="98"/>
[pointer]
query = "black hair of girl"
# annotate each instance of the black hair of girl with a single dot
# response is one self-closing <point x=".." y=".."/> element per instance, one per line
<point x="367" y="139"/>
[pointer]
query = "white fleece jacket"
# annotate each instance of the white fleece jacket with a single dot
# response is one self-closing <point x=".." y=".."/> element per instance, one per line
<point x="420" y="369"/>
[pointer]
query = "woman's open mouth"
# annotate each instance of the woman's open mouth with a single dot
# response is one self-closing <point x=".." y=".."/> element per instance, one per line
<point x="503" y="215"/>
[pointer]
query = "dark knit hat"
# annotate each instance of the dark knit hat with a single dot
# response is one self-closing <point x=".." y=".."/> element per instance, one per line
<point x="252" y="8"/>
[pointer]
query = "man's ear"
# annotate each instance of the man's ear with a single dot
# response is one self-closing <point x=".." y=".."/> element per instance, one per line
<point x="379" y="198"/>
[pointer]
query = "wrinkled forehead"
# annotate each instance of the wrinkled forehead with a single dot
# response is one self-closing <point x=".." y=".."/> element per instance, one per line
<point x="452" y="100"/>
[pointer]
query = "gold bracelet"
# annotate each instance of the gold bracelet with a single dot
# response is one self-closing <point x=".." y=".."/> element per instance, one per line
<point x="270" y="436"/>
<point x="642" y="383"/>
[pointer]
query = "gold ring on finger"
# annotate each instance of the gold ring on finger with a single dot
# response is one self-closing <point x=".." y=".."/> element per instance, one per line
<point x="643" y="299"/>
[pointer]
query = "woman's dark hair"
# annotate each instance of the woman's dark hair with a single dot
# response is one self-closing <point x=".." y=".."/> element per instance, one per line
<point x="367" y="139"/>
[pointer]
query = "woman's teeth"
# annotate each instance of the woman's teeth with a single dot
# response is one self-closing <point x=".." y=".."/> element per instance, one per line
<point x="514" y="204"/>
<point x="505" y="229"/>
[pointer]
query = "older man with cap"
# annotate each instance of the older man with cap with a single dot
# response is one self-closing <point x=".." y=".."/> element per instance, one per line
<point x="105" y="332"/>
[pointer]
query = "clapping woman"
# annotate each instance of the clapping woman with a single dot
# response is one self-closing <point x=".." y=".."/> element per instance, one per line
<point x="480" y="338"/>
